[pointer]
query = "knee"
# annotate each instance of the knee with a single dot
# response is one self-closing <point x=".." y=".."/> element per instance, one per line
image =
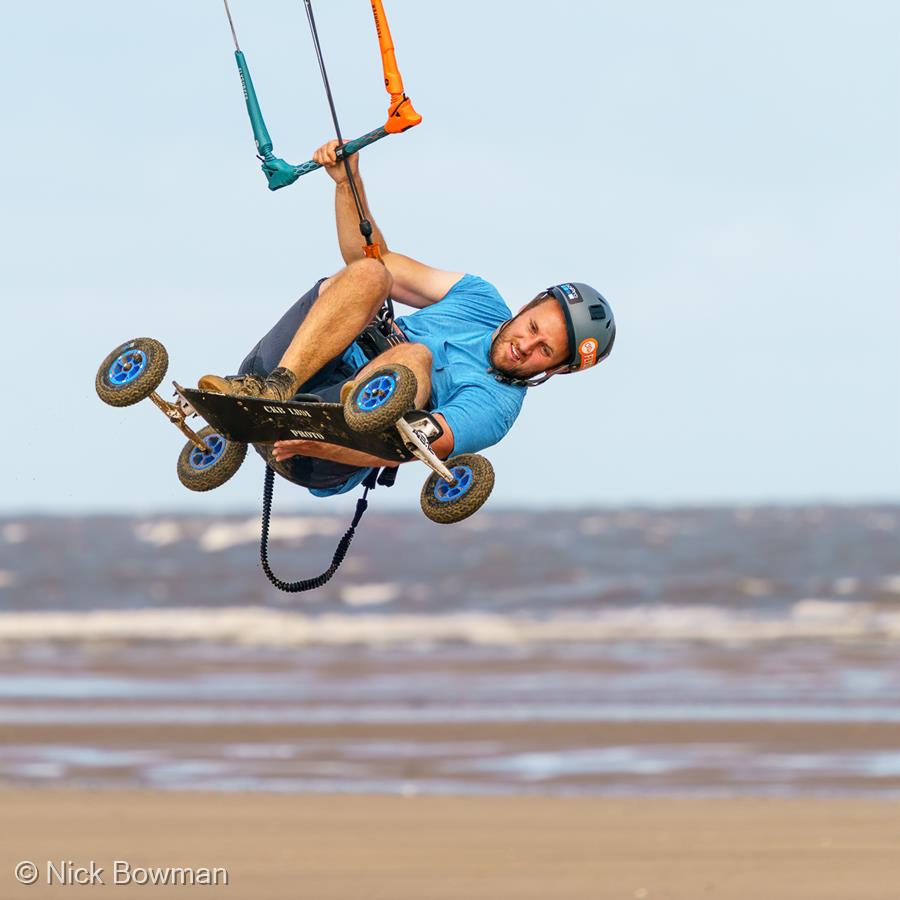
<point x="420" y="353"/>
<point x="416" y="355"/>
<point x="372" y="275"/>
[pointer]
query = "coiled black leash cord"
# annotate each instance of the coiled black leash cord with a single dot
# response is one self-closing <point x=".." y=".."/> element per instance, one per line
<point x="309" y="584"/>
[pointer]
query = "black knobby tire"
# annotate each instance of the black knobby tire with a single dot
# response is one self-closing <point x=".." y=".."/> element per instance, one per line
<point x="381" y="418"/>
<point x="481" y="483"/>
<point x="152" y="371"/>
<point x="218" y="472"/>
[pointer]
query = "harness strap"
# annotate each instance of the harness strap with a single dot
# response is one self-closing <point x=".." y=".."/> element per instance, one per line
<point x="381" y="334"/>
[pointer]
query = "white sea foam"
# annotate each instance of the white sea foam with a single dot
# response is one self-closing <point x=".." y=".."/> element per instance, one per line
<point x="846" y="585"/>
<point x="224" y="535"/>
<point x="369" y="594"/>
<point x="890" y="584"/>
<point x="755" y="587"/>
<point x="160" y="533"/>
<point x="213" y="537"/>
<point x="262" y="626"/>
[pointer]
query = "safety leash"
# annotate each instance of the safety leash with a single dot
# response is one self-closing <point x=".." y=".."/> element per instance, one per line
<point x="385" y="478"/>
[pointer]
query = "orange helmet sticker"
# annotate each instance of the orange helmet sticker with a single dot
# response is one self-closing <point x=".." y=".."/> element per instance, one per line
<point x="587" y="352"/>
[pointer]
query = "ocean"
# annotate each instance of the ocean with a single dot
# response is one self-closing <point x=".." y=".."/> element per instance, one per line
<point x="749" y="650"/>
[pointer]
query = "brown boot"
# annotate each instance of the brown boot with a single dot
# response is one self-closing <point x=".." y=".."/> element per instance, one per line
<point x="235" y="386"/>
<point x="278" y="386"/>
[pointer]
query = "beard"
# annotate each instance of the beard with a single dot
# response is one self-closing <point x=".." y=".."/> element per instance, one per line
<point x="498" y="363"/>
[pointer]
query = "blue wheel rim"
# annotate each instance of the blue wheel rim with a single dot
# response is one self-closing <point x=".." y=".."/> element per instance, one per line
<point x="127" y="367"/>
<point x="376" y="392"/>
<point x="203" y="459"/>
<point x="465" y="478"/>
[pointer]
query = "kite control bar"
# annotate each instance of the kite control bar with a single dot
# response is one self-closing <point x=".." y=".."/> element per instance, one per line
<point x="401" y="114"/>
<point x="278" y="172"/>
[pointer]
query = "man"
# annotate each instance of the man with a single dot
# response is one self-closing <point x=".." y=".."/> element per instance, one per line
<point x="472" y="359"/>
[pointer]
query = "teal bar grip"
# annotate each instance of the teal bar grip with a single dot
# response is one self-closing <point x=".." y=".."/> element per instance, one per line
<point x="260" y="132"/>
<point x="280" y="174"/>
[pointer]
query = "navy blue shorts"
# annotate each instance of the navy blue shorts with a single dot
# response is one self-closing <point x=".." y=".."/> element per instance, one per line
<point x="327" y="383"/>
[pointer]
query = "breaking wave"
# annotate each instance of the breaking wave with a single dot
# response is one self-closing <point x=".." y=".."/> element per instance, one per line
<point x="214" y="537"/>
<point x="265" y="627"/>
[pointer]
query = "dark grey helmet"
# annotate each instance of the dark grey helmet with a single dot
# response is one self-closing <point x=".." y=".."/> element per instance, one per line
<point x="590" y="327"/>
<point x="589" y="323"/>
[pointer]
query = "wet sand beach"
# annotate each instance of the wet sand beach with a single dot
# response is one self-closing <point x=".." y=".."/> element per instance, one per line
<point x="486" y="848"/>
<point x="685" y="758"/>
<point x="776" y="719"/>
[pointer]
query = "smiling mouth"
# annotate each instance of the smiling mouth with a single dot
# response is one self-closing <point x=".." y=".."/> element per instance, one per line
<point x="514" y="354"/>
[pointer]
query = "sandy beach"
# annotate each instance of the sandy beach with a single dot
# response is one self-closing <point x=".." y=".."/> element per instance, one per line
<point x="393" y="848"/>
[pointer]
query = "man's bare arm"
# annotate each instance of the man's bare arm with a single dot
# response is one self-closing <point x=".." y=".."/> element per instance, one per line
<point x="283" y="450"/>
<point x="415" y="283"/>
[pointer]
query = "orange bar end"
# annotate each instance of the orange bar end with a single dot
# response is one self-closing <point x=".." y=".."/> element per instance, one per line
<point x="401" y="115"/>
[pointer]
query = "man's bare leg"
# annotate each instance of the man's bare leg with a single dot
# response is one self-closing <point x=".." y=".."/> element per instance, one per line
<point x="414" y="356"/>
<point x="348" y="303"/>
<point x="337" y="318"/>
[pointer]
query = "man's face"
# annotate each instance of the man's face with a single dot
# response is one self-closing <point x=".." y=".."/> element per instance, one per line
<point x="534" y="341"/>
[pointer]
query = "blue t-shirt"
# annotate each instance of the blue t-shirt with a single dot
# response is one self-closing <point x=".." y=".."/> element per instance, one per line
<point x="458" y="331"/>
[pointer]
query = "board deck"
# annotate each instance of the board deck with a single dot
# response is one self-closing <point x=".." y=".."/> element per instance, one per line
<point x="250" y="420"/>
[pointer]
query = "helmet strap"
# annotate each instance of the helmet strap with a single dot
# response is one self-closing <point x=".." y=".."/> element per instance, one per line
<point x="525" y="382"/>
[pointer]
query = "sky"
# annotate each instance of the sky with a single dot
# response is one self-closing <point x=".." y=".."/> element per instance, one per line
<point x="725" y="174"/>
